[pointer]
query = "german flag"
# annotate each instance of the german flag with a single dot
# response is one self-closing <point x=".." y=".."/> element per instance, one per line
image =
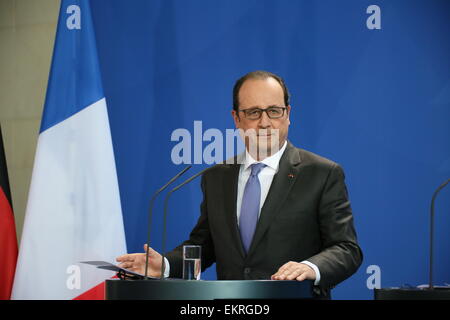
<point x="8" y="240"/>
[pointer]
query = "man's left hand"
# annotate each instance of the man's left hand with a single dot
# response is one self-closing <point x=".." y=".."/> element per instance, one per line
<point x="294" y="271"/>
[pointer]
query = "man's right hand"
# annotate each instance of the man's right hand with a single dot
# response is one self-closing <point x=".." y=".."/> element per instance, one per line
<point x="136" y="262"/>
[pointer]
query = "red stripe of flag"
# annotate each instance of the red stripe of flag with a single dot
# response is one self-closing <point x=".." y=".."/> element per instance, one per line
<point x="95" y="293"/>
<point x="8" y="240"/>
<point x="8" y="252"/>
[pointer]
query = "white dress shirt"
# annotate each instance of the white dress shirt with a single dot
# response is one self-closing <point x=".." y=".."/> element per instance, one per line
<point x="265" y="179"/>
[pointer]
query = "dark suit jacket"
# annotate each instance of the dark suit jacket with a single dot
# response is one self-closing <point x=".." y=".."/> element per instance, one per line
<point x="306" y="216"/>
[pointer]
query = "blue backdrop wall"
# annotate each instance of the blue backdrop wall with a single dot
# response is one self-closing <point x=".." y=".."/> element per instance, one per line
<point x="377" y="101"/>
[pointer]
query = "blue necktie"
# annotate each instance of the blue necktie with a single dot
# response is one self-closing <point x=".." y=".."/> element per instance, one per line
<point x="250" y="206"/>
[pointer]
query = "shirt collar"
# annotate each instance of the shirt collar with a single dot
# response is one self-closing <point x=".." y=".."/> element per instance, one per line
<point x="273" y="161"/>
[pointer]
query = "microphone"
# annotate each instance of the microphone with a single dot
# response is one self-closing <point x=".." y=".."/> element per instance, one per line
<point x="432" y="231"/>
<point x="166" y="201"/>
<point x="150" y="213"/>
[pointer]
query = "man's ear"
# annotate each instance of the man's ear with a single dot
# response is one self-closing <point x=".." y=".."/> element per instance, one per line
<point x="288" y="112"/>
<point x="236" y="118"/>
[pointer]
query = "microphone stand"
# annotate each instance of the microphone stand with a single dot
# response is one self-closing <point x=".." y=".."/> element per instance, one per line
<point x="150" y="214"/>
<point x="432" y="231"/>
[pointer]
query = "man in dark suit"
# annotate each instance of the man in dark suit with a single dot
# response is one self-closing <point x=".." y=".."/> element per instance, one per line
<point x="278" y="212"/>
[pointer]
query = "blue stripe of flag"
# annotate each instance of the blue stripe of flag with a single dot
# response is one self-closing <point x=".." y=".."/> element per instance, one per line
<point x="74" y="81"/>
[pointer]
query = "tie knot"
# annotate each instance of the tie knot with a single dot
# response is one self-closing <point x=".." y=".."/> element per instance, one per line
<point x="256" y="168"/>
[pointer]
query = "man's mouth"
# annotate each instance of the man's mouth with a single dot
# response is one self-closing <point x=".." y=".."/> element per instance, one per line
<point x="265" y="134"/>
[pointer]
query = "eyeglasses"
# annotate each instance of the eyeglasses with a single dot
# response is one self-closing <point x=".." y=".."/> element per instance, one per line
<point x="256" y="113"/>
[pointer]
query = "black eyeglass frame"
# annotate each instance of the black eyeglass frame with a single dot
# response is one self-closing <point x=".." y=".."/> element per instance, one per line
<point x="263" y="110"/>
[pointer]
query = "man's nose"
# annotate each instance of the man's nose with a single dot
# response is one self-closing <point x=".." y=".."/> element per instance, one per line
<point x="264" y="121"/>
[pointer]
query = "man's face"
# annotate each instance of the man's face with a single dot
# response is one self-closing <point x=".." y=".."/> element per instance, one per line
<point x="262" y="93"/>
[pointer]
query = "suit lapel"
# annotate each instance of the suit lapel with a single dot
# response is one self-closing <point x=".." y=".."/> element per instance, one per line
<point x="230" y="184"/>
<point x="282" y="183"/>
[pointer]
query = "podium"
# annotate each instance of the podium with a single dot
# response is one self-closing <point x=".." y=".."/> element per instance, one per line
<point x="178" y="289"/>
<point x="412" y="294"/>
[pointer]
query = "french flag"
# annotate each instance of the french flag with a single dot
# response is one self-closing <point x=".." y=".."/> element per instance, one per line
<point x="73" y="212"/>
